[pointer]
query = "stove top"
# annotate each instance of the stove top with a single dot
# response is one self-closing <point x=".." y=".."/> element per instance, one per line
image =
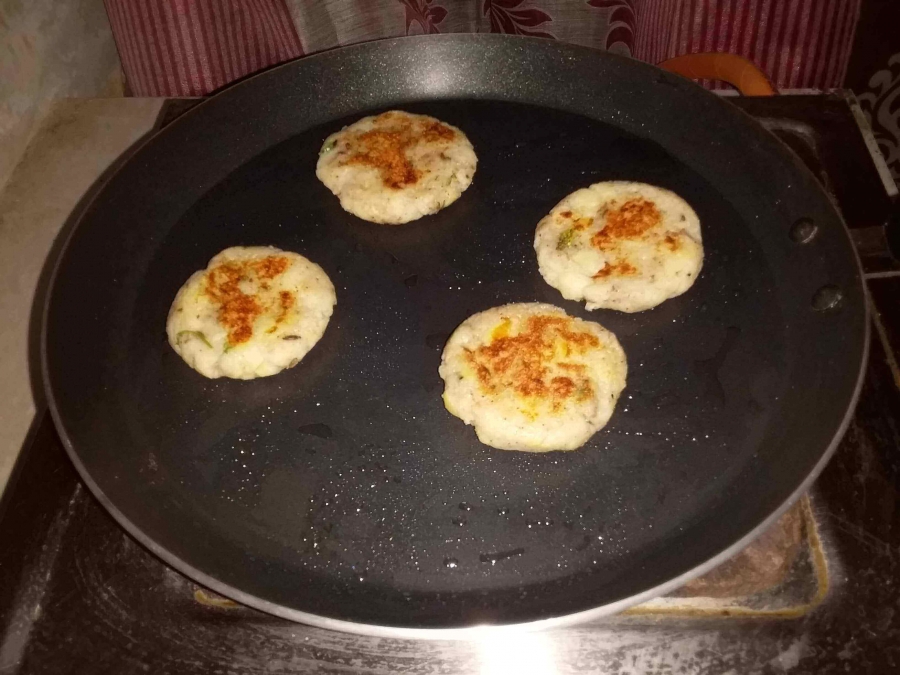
<point x="78" y="595"/>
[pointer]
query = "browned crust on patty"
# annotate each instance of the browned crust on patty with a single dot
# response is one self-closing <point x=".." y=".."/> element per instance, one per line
<point x="385" y="146"/>
<point x="237" y="310"/>
<point x="631" y="220"/>
<point x="523" y="362"/>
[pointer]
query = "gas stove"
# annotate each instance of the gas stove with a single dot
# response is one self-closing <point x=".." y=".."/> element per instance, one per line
<point x="78" y="595"/>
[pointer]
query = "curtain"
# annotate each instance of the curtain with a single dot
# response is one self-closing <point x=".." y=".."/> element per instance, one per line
<point x="192" y="47"/>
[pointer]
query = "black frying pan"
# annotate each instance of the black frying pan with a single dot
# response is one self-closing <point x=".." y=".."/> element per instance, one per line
<point x="341" y="493"/>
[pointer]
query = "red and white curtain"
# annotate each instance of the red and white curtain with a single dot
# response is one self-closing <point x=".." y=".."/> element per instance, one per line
<point x="192" y="47"/>
<point x="799" y="44"/>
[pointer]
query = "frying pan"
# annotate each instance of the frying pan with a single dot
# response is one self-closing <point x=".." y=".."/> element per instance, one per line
<point x="341" y="493"/>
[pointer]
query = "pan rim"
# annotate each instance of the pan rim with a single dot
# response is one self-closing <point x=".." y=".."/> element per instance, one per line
<point x="376" y="630"/>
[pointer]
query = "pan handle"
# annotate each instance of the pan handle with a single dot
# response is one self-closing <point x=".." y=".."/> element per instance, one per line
<point x="730" y="68"/>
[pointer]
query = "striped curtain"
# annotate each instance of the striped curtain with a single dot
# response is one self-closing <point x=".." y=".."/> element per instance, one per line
<point x="797" y="43"/>
<point x="192" y="47"/>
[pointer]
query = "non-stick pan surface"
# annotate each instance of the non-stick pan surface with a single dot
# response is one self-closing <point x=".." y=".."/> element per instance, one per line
<point x="341" y="492"/>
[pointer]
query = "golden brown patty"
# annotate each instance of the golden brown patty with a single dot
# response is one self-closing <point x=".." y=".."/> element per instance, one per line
<point x="396" y="167"/>
<point x="619" y="245"/>
<point x="529" y="377"/>
<point x="254" y="311"/>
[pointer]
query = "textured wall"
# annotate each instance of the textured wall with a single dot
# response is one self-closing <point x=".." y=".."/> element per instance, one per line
<point x="50" y="49"/>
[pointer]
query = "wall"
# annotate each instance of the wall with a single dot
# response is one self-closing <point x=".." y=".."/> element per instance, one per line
<point x="50" y="49"/>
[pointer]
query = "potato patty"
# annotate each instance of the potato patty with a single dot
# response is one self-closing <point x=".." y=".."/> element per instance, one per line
<point x="530" y="377"/>
<point x="396" y="167"/>
<point x="253" y="312"/>
<point x="620" y="245"/>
